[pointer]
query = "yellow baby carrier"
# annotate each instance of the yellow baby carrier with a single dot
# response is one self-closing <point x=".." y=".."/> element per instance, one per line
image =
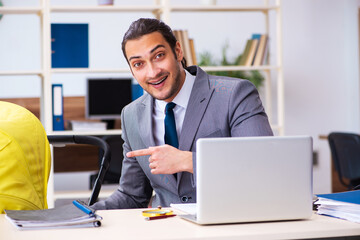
<point x="24" y="159"/>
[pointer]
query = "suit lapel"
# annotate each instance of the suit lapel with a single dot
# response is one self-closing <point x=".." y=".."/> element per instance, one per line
<point x="198" y="102"/>
<point x="144" y="113"/>
<point x="199" y="99"/>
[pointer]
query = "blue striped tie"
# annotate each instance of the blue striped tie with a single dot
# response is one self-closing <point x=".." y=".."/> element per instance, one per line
<point x="170" y="126"/>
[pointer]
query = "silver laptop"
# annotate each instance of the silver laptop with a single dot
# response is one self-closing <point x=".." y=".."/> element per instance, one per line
<point x="252" y="179"/>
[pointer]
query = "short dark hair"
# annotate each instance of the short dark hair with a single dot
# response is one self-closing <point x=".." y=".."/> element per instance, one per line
<point x="144" y="26"/>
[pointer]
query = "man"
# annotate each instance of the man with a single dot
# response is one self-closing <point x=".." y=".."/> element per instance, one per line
<point x="205" y="106"/>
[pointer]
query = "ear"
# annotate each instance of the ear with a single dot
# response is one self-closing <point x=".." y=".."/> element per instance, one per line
<point x="179" y="52"/>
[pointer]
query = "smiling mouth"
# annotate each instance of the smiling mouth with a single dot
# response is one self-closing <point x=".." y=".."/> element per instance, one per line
<point x="160" y="81"/>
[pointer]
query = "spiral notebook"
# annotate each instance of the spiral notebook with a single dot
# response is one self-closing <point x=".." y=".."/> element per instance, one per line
<point x="66" y="216"/>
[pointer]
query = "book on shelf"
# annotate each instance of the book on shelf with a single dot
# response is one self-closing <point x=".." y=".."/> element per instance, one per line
<point x="187" y="45"/>
<point x="260" y="53"/>
<point x="193" y="54"/>
<point x="245" y="52"/>
<point x="255" y="50"/>
<point x="179" y="38"/>
<point x="344" y="205"/>
<point x="252" y="52"/>
<point x="72" y="215"/>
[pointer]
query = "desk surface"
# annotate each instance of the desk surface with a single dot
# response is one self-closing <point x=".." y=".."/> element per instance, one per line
<point x="130" y="224"/>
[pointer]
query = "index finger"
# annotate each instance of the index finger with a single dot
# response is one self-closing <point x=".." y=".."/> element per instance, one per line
<point x="140" y="152"/>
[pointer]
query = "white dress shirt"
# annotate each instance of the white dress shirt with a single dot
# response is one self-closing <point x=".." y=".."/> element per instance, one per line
<point x="181" y="100"/>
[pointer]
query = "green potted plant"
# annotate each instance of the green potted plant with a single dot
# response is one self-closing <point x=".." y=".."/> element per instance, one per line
<point x="206" y="59"/>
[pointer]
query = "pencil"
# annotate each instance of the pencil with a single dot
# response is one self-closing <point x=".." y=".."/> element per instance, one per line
<point x="159" y="217"/>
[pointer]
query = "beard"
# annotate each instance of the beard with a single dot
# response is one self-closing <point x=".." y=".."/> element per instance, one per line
<point x="174" y="88"/>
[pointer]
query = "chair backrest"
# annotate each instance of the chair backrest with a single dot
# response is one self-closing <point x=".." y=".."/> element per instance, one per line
<point x="115" y="143"/>
<point x="24" y="159"/>
<point x="113" y="174"/>
<point x="62" y="140"/>
<point x="345" y="152"/>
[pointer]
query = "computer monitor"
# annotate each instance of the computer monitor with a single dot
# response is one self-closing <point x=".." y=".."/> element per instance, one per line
<point x="105" y="98"/>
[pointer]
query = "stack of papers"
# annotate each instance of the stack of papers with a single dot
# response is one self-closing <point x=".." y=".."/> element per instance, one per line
<point x="61" y="217"/>
<point x="344" y="205"/>
<point x="87" y="126"/>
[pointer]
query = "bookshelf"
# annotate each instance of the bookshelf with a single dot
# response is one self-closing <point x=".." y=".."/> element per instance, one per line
<point x="161" y="9"/>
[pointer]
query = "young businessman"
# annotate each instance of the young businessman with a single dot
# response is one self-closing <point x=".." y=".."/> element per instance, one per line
<point x="205" y="106"/>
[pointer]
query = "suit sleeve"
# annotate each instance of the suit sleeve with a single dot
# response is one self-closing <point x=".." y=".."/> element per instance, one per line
<point x="247" y="116"/>
<point x="134" y="190"/>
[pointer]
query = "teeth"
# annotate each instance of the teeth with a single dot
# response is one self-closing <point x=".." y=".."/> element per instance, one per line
<point x="161" y="80"/>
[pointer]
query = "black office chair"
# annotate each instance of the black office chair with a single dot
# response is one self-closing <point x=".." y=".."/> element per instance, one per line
<point x="113" y="174"/>
<point x="61" y="141"/>
<point x="345" y="152"/>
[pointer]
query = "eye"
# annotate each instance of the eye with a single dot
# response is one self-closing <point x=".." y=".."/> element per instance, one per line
<point x="160" y="55"/>
<point x="137" y="64"/>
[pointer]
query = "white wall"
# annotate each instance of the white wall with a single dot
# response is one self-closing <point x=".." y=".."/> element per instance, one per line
<point x="320" y="53"/>
<point x="321" y="71"/>
<point x="20" y="47"/>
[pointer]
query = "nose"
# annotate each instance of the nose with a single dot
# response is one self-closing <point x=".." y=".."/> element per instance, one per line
<point x="153" y="71"/>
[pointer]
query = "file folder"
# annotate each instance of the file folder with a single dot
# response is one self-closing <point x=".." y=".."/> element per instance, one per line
<point x="347" y="197"/>
<point x="70" y="45"/>
<point x="58" y="107"/>
<point x="344" y="205"/>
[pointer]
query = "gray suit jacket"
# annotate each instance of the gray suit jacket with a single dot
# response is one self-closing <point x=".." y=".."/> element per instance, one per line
<point x="218" y="107"/>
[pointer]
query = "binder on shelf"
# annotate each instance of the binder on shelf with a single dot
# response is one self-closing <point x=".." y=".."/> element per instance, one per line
<point x="58" y="107"/>
<point x="136" y="91"/>
<point x="70" y="45"/>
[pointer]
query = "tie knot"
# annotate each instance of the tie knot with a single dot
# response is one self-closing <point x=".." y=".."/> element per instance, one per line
<point x="169" y="106"/>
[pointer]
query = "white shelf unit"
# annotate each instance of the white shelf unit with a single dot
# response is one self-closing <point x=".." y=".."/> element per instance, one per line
<point x="161" y="9"/>
<point x="265" y="8"/>
<point x="91" y="133"/>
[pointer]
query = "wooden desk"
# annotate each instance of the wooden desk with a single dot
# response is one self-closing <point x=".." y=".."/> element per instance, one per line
<point x="130" y="224"/>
